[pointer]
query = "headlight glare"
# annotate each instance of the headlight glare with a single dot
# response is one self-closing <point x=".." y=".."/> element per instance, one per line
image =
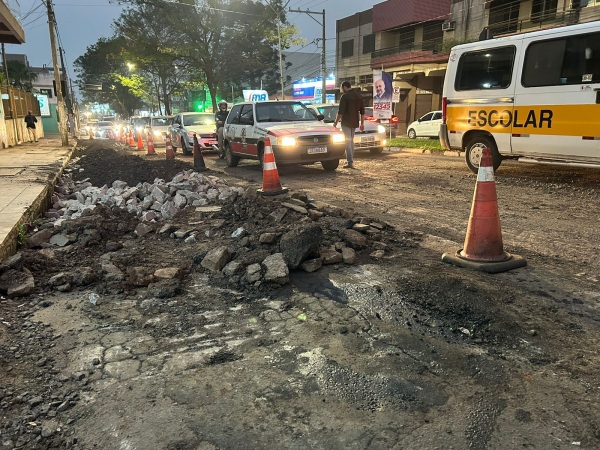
<point x="288" y="141"/>
<point x="380" y="129"/>
<point x="338" y="137"/>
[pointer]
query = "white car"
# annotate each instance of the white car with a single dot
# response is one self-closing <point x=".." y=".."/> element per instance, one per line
<point x="186" y="124"/>
<point x="159" y="125"/>
<point x="426" y="126"/>
<point x="373" y="138"/>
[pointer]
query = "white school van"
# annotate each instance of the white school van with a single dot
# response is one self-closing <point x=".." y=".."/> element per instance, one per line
<point x="533" y="97"/>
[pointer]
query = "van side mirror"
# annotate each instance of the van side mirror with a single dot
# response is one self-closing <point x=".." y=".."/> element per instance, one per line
<point x="320" y="117"/>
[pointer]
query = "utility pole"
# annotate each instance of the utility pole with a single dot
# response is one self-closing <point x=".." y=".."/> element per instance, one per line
<point x="279" y="23"/>
<point x="323" y="56"/>
<point x="60" y="105"/>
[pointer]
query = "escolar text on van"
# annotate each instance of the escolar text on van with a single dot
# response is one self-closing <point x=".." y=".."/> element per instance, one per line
<point x="533" y="97"/>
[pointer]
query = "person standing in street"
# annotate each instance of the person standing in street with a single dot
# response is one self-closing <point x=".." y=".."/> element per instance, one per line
<point x="351" y="113"/>
<point x="30" y="120"/>
<point x="220" y="117"/>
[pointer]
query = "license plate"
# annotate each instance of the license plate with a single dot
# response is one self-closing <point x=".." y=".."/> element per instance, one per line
<point x="313" y="150"/>
<point x="367" y="139"/>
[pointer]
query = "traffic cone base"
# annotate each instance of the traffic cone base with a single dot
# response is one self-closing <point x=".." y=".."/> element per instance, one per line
<point x="199" y="165"/>
<point x="510" y="262"/>
<point x="271" y="184"/>
<point x="483" y="248"/>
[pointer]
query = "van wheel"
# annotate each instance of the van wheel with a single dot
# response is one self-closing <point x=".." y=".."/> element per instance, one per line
<point x="412" y="134"/>
<point x="474" y="150"/>
<point x="230" y="158"/>
<point x="330" y="166"/>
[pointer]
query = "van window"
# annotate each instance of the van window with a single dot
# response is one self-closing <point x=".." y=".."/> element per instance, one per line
<point x="234" y="115"/>
<point x="485" y="69"/>
<point x="572" y="60"/>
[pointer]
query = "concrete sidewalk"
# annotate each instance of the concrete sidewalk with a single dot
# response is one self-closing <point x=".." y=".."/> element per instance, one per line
<point x="28" y="173"/>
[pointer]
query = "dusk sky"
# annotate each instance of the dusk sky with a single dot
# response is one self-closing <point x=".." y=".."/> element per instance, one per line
<point x="82" y="22"/>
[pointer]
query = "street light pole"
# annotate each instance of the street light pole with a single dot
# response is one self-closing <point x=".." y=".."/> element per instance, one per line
<point x="62" y="114"/>
<point x="323" y="55"/>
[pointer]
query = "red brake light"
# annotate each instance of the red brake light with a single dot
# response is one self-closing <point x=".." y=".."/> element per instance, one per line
<point x="394" y="119"/>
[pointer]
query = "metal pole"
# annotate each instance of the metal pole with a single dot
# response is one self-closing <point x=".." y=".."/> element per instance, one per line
<point x="11" y="99"/>
<point x="62" y="115"/>
<point x="324" y="67"/>
<point x="280" y="57"/>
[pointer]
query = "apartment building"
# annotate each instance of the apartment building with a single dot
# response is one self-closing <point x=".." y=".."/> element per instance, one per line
<point x="411" y="40"/>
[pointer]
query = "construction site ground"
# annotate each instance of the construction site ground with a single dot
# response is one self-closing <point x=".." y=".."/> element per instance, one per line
<point x="396" y="351"/>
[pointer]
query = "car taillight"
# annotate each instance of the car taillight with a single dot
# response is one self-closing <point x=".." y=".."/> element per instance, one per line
<point x="444" y="104"/>
<point x="394" y="119"/>
<point x="371" y="119"/>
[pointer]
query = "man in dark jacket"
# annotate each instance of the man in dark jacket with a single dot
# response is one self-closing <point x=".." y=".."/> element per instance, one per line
<point x="30" y="120"/>
<point x="350" y="112"/>
<point x="220" y="117"/>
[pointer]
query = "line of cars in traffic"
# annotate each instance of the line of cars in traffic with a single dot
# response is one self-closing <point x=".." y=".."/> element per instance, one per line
<point x="299" y="133"/>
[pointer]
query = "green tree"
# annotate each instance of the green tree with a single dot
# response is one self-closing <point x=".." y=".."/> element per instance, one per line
<point x="102" y="64"/>
<point x="19" y="75"/>
<point x="148" y="47"/>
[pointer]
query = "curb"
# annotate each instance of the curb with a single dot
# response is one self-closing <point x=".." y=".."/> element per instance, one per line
<point x="8" y="246"/>
<point x="424" y="151"/>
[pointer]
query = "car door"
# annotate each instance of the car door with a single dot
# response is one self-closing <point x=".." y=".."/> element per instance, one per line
<point x="175" y="127"/>
<point x="423" y="124"/>
<point x="247" y="137"/>
<point x="434" y="124"/>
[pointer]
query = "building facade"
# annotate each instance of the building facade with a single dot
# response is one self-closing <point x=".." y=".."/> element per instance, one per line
<point x="411" y="40"/>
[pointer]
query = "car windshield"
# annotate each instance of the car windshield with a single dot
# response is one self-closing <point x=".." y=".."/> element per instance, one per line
<point x="283" y="112"/>
<point x="330" y="112"/>
<point x="198" y="119"/>
<point x="160" y="121"/>
<point x="141" y="121"/>
<point x="104" y="124"/>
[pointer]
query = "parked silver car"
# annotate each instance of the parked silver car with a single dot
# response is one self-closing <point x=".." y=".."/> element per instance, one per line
<point x="186" y="124"/>
<point x="373" y="138"/>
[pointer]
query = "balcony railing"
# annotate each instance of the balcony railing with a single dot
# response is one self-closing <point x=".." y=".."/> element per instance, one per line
<point x="546" y="20"/>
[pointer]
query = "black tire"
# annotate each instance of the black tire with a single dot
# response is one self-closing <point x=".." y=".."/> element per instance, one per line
<point x="184" y="148"/>
<point x="473" y="150"/>
<point x="330" y="165"/>
<point x="230" y="158"/>
<point x="376" y="151"/>
<point x="412" y="134"/>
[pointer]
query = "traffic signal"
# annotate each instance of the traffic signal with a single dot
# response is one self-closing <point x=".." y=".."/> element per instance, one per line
<point x="198" y="100"/>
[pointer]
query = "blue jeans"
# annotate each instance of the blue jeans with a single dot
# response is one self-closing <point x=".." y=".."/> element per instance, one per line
<point x="349" y="135"/>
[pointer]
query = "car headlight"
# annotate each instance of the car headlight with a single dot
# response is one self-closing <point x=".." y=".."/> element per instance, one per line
<point x="288" y="141"/>
<point x="338" y="138"/>
<point x="138" y="128"/>
<point x="380" y="129"/>
<point x="157" y="133"/>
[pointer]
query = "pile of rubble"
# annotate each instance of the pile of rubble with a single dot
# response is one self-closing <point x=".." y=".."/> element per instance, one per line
<point x="153" y="235"/>
<point x="149" y="201"/>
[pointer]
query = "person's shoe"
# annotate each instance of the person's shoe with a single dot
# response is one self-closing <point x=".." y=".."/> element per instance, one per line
<point x="348" y="166"/>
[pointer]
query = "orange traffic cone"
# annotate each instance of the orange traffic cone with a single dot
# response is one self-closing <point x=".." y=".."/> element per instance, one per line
<point x="150" y="144"/>
<point x="170" y="154"/>
<point x="271" y="184"/>
<point x="483" y="248"/>
<point x="131" y="141"/>
<point x="199" y="165"/>
<point x="140" y="142"/>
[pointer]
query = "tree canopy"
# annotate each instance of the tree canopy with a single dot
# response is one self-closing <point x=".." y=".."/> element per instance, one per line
<point x="161" y="51"/>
